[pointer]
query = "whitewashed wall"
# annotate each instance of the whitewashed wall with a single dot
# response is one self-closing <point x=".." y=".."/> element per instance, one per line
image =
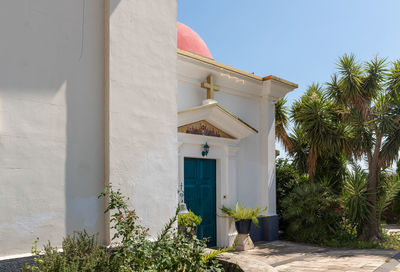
<point x="51" y="120"/>
<point x="241" y="95"/>
<point x="143" y="117"/>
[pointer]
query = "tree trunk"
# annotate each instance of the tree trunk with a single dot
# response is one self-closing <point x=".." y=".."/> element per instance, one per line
<point x="312" y="176"/>
<point x="371" y="232"/>
<point x="312" y="163"/>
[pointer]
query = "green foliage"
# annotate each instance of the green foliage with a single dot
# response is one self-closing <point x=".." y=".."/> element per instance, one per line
<point x="81" y="252"/>
<point x="312" y="212"/>
<point x="131" y="248"/>
<point x="189" y="219"/>
<point x="332" y="168"/>
<point x="287" y="178"/>
<point x="396" y="206"/>
<point x="389" y="188"/>
<point x="281" y="122"/>
<point x="300" y="149"/>
<point x="243" y="213"/>
<point x="348" y="240"/>
<point x="355" y="198"/>
<point x="318" y="128"/>
<point x="308" y="218"/>
<point x="212" y="255"/>
<point x="355" y="116"/>
<point x="281" y="112"/>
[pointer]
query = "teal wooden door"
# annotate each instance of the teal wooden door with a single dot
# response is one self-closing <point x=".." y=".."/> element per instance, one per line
<point x="200" y="195"/>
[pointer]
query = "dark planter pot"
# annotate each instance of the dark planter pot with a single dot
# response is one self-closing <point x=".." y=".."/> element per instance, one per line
<point x="243" y="226"/>
<point x="184" y="230"/>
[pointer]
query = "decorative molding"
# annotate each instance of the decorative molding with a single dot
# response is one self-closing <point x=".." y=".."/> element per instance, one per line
<point x="273" y="89"/>
<point x="251" y="93"/>
<point x="203" y="128"/>
<point x="194" y="139"/>
<point x="219" y="117"/>
<point x="234" y="70"/>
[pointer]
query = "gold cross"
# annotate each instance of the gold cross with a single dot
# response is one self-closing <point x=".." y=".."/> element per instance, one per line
<point x="211" y="88"/>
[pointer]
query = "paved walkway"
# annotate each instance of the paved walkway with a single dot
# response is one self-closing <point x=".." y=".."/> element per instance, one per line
<point x="287" y="256"/>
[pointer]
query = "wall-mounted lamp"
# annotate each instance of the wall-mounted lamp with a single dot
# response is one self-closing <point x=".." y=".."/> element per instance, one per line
<point x="206" y="148"/>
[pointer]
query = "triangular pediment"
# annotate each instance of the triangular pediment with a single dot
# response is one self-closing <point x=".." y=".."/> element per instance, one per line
<point x="213" y="120"/>
<point x="204" y="128"/>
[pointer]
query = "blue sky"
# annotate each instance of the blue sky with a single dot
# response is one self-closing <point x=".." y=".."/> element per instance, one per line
<point x="297" y="40"/>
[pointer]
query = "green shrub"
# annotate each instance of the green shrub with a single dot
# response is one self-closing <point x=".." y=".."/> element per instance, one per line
<point x="349" y="240"/>
<point x="388" y="189"/>
<point x="396" y="206"/>
<point x="243" y="213"/>
<point x="312" y="212"/>
<point x="355" y="199"/>
<point x="81" y="252"/>
<point x="131" y="248"/>
<point x="189" y="219"/>
<point x="171" y="251"/>
<point x="287" y="177"/>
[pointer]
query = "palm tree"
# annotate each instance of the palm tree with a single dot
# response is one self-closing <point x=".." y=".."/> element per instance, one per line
<point x="318" y="118"/>
<point x="300" y="149"/>
<point x="281" y="123"/>
<point x="369" y="99"/>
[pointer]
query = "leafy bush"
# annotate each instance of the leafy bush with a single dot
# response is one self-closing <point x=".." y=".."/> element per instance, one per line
<point x="313" y="213"/>
<point x="189" y="219"/>
<point x="243" y="213"/>
<point x="388" y="189"/>
<point x="131" y="248"/>
<point x="355" y="199"/>
<point x="287" y="177"/>
<point x="81" y="252"/>
<point x="349" y="240"/>
<point x="394" y="213"/>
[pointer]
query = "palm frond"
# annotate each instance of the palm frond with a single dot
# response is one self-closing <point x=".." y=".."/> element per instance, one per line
<point x="393" y="83"/>
<point x="390" y="148"/>
<point x="389" y="188"/>
<point x="355" y="198"/>
<point x="351" y="80"/>
<point x="281" y="122"/>
<point x="374" y="79"/>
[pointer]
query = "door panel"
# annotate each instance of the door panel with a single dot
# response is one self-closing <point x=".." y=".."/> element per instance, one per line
<point x="200" y="195"/>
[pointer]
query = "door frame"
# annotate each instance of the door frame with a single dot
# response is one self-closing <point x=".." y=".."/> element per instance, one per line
<point x="224" y="152"/>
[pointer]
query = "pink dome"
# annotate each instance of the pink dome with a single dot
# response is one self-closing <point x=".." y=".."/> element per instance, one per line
<point x="189" y="40"/>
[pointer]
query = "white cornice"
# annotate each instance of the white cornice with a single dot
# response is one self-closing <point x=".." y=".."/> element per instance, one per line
<point x="274" y="90"/>
<point x="247" y="93"/>
<point x="193" y="69"/>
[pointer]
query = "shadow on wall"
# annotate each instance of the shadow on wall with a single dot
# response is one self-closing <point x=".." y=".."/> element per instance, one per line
<point x="86" y="100"/>
<point x="52" y="92"/>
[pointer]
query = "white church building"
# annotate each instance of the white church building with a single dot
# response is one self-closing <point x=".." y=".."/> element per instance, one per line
<point x="98" y="92"/>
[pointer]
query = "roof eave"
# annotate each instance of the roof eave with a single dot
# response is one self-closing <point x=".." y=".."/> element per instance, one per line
<point x="234" y="70"/>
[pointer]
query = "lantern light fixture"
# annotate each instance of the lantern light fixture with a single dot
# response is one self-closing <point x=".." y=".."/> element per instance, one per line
<point x="206" y="148"/>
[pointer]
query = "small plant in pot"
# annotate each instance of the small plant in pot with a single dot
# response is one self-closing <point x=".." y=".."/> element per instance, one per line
<point x="243" y="217"/>
<point x="188" y="222"/>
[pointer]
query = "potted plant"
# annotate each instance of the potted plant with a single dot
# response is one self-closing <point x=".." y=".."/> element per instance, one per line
<point x="188" y="222"/>
<point x="243" y="217"/>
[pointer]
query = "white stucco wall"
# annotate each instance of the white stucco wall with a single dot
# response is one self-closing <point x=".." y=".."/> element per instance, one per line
<point x="251" y="179"/>
<point x="245" y="168"/>
<point x="142" y="101"/>
<point x="51" y="120"/>
<point x="242" y="97"/>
